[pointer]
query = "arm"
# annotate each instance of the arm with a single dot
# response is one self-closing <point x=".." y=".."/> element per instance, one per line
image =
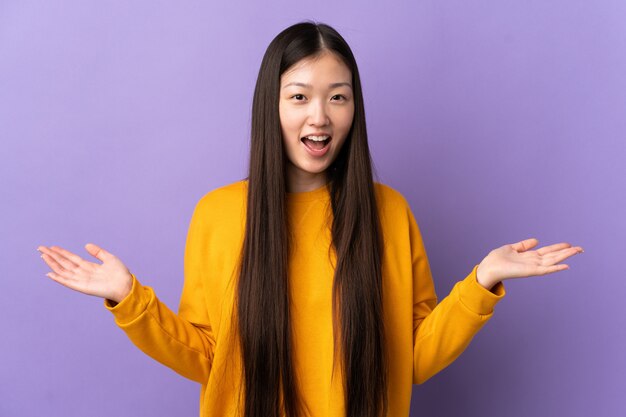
<point x="183" y="342"/>
<point x="441" y="332"/>
<point x="177" y="343"/>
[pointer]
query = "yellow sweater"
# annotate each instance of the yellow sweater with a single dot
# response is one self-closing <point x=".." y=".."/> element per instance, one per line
<point x="423" y="336"/>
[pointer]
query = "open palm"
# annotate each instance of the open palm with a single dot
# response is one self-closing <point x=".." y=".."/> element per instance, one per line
<point x="111" y="279"/>
<point x="517" y="260"/>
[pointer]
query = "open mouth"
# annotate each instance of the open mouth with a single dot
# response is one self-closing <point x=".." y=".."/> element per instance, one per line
<point x="316" y="145"/>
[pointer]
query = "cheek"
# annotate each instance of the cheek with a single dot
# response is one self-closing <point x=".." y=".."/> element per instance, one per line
<point x="347" y="118"/>
<point x="288" y="122"/>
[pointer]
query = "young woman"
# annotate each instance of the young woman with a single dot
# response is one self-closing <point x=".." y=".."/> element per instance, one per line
<point x="307" y="287"/>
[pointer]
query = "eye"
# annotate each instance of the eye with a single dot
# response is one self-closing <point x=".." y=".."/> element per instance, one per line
<point x="340" y="95"/>
<point x="297" y="95"/>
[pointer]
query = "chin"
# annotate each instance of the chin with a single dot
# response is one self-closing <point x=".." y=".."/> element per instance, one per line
<point x="316" y="169"/>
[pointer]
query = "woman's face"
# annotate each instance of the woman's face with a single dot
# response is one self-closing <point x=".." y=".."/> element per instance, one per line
<point x="315" y="99"/>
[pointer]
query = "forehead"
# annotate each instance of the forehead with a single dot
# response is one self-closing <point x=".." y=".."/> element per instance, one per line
<point x="323" y="68"/>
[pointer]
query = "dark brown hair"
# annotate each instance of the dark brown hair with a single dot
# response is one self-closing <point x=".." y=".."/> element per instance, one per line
<point x="262" y="302"/>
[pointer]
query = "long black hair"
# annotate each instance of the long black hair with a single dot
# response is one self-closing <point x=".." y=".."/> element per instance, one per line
<point x="262" y="302"/>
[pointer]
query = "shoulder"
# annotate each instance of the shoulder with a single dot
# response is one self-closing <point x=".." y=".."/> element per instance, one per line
<point x="226" y="198"/>
<point x="395" y="213"/>
<point x="388" y="198"/>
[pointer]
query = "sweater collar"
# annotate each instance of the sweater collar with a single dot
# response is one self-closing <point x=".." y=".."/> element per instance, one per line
<point x="320" y="193"/>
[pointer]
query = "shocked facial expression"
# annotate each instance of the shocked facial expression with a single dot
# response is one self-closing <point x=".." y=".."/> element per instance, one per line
<point x="316" y="109"/>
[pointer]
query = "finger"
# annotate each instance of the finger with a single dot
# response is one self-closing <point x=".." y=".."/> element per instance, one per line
<point x="69" y="255"/>
<point x="545" y="270"/>
<point x="63" y="280"/>
<point x="557" y="246"/>
<point x="524" y="245"/>
<point x="65" y="263"/>
<point x="556" y="257"/>
<point x="54" y="265"/>
<point x="557" y="268"/>
<point x="97" y="252"/>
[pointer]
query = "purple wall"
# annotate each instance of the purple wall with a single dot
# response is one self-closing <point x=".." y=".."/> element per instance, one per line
<point x="498" y="121"/>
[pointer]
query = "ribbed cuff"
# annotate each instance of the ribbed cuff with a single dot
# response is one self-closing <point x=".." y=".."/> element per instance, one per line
<point x="132" y="306"/>
<point x="478" y="298"/>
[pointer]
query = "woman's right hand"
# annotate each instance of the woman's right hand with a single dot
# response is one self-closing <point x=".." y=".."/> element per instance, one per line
<point x="111" y="279"/>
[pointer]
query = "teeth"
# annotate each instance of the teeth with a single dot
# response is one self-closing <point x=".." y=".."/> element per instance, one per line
<point x="317" y="138"/>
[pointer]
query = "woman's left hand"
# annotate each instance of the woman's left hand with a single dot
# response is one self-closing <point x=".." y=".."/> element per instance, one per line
<point x="517" y="261"/>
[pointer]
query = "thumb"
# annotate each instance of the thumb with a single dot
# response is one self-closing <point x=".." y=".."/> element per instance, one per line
<point x="97" y="251"/>
<point x="524" y="245"/>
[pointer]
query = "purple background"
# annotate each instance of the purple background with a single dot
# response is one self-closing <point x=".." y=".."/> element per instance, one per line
<point x="498" y="121"/>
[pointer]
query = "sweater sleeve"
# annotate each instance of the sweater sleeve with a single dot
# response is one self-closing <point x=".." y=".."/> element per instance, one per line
<point x="183" y="342"/>
<point x="442" y="331"/>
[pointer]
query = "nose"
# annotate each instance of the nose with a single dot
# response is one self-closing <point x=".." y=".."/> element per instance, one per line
<point x="318" y="115"/>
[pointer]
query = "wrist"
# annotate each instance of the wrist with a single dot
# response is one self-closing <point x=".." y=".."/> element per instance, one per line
<point x="122" y="294"/>
<point x="483" y="278"/>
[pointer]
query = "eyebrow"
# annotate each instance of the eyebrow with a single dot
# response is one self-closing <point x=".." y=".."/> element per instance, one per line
<point x="333" y="85"/>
